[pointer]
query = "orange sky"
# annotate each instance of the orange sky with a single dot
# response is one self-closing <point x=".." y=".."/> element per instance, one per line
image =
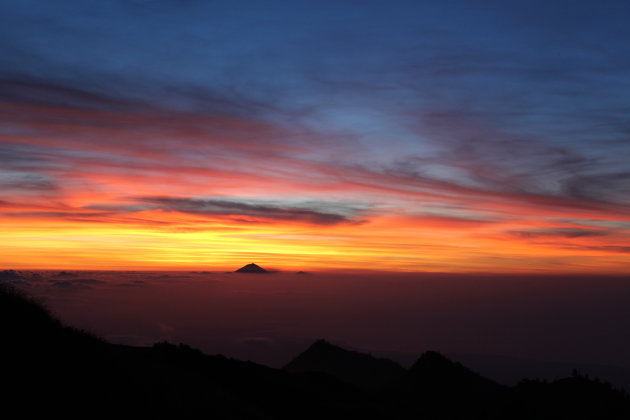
<point x="175" y="241"/>
<point x="330" y="136"/>
<point x="148" y="190"/>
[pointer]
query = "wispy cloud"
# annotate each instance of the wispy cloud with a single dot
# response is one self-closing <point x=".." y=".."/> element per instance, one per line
<point x="559" y="233"/>
<point x="316" y="213"/>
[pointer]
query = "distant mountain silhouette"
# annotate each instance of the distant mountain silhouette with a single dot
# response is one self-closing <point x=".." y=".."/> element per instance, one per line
<point x="51" y="369"/>
<point x="349" y="366"/>
<point x="251" y="268"/>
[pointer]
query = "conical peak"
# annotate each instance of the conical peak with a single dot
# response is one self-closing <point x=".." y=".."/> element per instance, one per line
<point x="324" y="346"/>
<point x="251" y="268"/>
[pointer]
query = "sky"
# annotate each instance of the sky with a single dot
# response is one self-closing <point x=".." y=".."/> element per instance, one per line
<point x="448" y="136"/>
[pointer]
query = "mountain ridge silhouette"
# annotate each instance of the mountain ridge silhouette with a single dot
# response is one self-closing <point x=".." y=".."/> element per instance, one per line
<point x="347" y="365"/>
<point x="54" y="369"/>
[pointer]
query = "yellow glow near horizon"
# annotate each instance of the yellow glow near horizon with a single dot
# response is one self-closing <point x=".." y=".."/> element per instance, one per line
<point x="195" y="243"/>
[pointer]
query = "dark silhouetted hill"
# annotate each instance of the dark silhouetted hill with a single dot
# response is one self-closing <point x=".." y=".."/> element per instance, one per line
<point x="510" y="370"/>
<point x="49" y="369"/>
<point x="576" y="397"/>
<point x="349" y="366"/>
<point x="434" y="372"/>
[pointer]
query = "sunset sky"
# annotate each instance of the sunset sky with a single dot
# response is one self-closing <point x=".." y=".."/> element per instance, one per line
<point x="451" y="136"/>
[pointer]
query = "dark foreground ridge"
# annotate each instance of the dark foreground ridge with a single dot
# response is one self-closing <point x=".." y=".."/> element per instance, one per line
<point x="50" y="369"/>
<point x="251" y="268"/>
